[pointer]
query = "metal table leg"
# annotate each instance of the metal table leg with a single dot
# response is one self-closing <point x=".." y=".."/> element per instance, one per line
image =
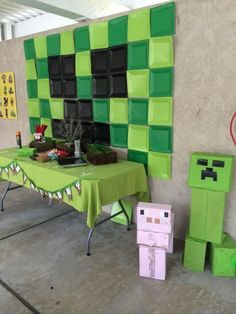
<point x="8" y="188"/>
<point x="104" y="220"/>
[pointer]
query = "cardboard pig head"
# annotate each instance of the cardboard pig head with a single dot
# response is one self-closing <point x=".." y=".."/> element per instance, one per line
<point x="154" y="217"/>
<point x="211" y="171"/>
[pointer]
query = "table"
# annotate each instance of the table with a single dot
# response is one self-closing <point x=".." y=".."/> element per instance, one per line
<point x="85" y="188"/>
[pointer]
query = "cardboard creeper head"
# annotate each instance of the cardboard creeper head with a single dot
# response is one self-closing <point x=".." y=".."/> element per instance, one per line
<point x="211" y="171"/>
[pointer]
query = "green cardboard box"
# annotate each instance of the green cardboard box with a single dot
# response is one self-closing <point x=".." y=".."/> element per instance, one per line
<point x="194" y="254"/>
<point x="223" y="257"/>
<point x="207" y="215"/>
<point x="121" y="219"/>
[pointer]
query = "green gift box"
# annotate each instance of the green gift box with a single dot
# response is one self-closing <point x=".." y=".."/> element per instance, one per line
<point x="207" y="215"/>
<point x="223" y="257"/>
<point x="121" y="219"/>
<point x="194" y="254"/>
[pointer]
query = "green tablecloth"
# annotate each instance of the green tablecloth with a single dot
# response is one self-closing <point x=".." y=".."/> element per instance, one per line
<point x="100" y="185"/>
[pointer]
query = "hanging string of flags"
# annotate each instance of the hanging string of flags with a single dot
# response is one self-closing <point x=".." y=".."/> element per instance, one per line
<point x="13" y="168"/>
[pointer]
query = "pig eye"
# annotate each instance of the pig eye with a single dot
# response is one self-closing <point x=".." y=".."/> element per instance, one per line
<point x="141" y="212"/>
<point x="166" y="214"/>
<point x="218" y="163"/>
<point x="202" y="162"/>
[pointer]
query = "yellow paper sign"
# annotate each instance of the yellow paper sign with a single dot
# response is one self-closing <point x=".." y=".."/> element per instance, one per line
<point x="8" y="109"/>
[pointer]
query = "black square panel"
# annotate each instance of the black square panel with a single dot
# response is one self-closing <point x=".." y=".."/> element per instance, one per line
<point x="58" y="127"/>
<point x="56" y="89"/>
<point x="70" y="109"/>
<point x="69" y="88"/>
<point x="100" y="61"/>
<point x="100" y="86"/>
<point x="85" y="111"/>
<point x="86" y="132"/>
<point x="54" y="67"/>
<point x="118" y="85"/>
<point x="118" y="59"/>
<point x="68" y="65"/>
<point x="102" y="133"/>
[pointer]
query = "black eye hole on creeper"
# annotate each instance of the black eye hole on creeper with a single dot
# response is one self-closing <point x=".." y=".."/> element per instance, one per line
<point x="202" y="162"/>
<point x="166" y="214"/>
<point x="218" y="163"/>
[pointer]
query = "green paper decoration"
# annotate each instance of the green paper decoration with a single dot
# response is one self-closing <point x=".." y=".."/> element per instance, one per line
<point x="121" y="219"/>
<point x="137" y="156"/>
<point x="117" y="31"/>
<point x="82" y="42"/>
<point x="48" y="132"/>
<point x="223" y="257"/>
<point x="119" y="110"/>
<point x="161" y="82"/>
<point x="99" y="35"/>
<point x="67" y="43"/>
<point x="84" y="87"/>
<point x="33" y="122"/>
<point x="138" y="83"/>
<point x="45" y="111"/>
<point x="119" y="135"/>
<point x="161" y="52"/>
<point x="138" y="111"/>
<point x="33" y="108"/>
<point x="101" y="110"/>
<point x="138" y="55"/>
<point x="139" y="25"/>
<point x="83" y="63"/>
<point x="207" y="215"/>
<point x="159" y="165"/>
<point x="29" y="49"/>
<point x="161" y="139"/>
<point x="224" y="174"/>
<point x="53" y="45"/>
<point x="138" y="138"/>
<point x="160" y="111"/>
<point x="194" y="254"/>
<point x="150" y="73"/>
<point x="43" y="88"/>
<point x="40" y="47"/>
<point x="57" y="108"/>
<point x="32" y="88"/>
<point x="31" y="73"/>
<point x="163" y="20"/>
<point x="42" y="67"/>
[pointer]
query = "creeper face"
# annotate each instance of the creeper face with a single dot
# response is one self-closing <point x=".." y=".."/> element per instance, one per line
<point x="211" y="171"/>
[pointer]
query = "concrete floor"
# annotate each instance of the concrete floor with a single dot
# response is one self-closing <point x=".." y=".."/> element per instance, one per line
<point x="47" y="267"/>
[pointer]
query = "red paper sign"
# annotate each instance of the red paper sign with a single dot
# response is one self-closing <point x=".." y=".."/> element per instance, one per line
<point x="232" y="128"/>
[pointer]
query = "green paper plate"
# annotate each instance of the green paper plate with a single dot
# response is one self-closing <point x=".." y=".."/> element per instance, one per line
<point x="138" y="111"/>
<point x="160" y="111"/>
<point x="119" y="135"/>
<point x="138" y="138"/>
<point x="99" y="35"/>
<point x="138" y="83"/>
<point x="161" y="82"/>
<point x="138" y="55"/>
<point x="161" y="139"/>
<point x="161" y="52"/>
<point x="118" y="110"/>
<point x="159" y="165"/>
<point x="117" y="31"/>
<point x="139" y="25"/>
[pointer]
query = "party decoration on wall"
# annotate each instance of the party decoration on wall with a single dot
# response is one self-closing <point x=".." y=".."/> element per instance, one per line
<point x="8" y="109"/>
<point x="13" y="168"/>
<point x="232" y="128"/>
<point x="210" y="178"/>
<point x="116" y="77"/>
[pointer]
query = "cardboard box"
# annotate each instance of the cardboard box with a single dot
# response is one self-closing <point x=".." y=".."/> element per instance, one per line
<point x="154" y="217"/>
<point x="223" y="257"/>
<point x="152" y="262"/>
<point x="157" y="239"/>
<point x="194" y="254"/>
<point x="207" y="215"/>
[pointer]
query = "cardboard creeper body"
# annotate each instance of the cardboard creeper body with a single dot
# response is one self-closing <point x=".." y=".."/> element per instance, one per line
<point x="210" y="177"/>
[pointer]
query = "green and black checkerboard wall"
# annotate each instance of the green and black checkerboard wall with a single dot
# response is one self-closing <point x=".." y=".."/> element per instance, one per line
<point x="115" y="76"/>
